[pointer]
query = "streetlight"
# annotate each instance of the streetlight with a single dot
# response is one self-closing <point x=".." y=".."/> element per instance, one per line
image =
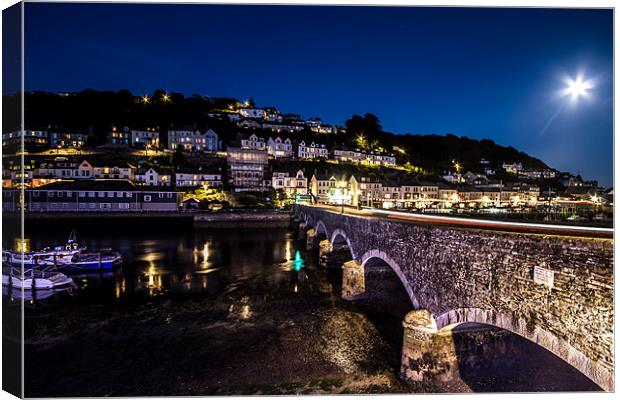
<point x="145" y="99"/>
<point x="165" y="98"/>
<point x="457" y="166"/>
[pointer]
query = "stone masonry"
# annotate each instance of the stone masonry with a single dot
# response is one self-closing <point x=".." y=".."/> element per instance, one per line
<point x="465" y="275"/>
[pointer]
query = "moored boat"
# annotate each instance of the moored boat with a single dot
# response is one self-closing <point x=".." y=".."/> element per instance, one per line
<point x="94" y="261"/>
<point x="60" y="255"/>
<point x="33" y="279"/>
<point x="69" y="257"/>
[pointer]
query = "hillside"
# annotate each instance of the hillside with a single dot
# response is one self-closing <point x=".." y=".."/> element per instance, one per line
<point x="96" y="111"/>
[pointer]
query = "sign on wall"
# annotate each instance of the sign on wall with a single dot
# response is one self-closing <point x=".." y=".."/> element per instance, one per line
<point x="543" y="276"/>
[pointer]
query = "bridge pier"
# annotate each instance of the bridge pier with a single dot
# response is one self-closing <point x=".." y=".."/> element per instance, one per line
<point x="325" y="248"/>
<point x="353" y="281"/>
<point x="302" y="231"/>
<point x="428" y="356"/>
<point x="310" y="236"/>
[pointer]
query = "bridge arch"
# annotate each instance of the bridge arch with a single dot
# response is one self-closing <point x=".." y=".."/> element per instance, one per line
<point x="535" y="334"/>
<point x="339" y="233"/>
<point x="369" y="255"/>
<point x="321" y="229"/>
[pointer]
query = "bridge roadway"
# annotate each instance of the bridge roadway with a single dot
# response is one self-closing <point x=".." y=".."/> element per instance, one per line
<point x="474" y="223"/>
<point x="552" y="284"/>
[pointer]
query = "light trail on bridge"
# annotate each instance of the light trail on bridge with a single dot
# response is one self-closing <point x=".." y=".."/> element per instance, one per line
<point x="477" y="223"/>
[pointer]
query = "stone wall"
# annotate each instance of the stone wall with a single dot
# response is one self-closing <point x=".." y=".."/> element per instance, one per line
<point x="463" y="275"/>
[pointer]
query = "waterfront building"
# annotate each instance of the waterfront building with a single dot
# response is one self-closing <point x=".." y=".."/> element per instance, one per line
<point x="491" y="197"/>
<point x="470" y="195"/>
<point x="448" y="195"/>
<point x="312" y="150"/>
<point x="279" y="148"/>
<point x="153" y="177"/>
<point x="64" y="169"/>
<point x="292" y="185"/>
<point x="370" y="190"/>
<point x="145" y="138"/>
<point x="247" y="168"/>
<point x="67" y="138"/>
<point x="193" y="140"/>
<point x="390" y="194"/>
<point x="100" y="196"/>
<point x="326" y="188"/>
<point x="320" y="186"/>
<point x="509" y="196"/>
<point x="198" y="179"/>
<point x="419" y="194"/>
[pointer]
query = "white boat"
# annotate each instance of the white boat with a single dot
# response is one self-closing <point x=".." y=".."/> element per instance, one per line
<point x="60" y="255"/>
<point x="33" y="279"/>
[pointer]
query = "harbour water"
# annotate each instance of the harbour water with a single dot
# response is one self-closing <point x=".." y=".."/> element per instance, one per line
<point x="235" y="311"/>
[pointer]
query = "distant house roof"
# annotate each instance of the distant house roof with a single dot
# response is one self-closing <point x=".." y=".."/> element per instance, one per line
<point x="580" y="191"/>
<point x="468" y="189"/>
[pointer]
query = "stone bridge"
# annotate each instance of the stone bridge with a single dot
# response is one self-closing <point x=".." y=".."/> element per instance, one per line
<point x="555" y="291"/>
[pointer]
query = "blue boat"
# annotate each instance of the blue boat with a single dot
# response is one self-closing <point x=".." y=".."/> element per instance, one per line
<point x="71" y="257"/>
<point x="98" y="260"/>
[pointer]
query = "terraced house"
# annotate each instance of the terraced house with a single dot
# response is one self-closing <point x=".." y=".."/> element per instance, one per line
<point x="100" y="196"/>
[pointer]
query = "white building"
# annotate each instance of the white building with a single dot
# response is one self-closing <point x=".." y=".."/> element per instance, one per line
<point x="257" y="113"/>
<point x="193" y="140"/>
<point x="105" y="170"/>
<point x="253" y="142"/>
<point x="513" y="168"/>
<point x="540" y="174"/>
<point x="195" y="179"/>
<point x="292" y="185"/>
<point x="273" y="115"/>
<point x="326" y="129"/>
<point x="453" y="178"/>
<point x="281" y="127"/>
<point x="151" y="177"/>
<point x="279" y="148"/>
<point x="364" y="157"/>
<point x="144" y="138"/>
<point x="312" y="150"/>
<point x="59" y="169"/>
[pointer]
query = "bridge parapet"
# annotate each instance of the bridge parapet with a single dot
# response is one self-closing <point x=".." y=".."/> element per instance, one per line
<point x="556" y="291"/>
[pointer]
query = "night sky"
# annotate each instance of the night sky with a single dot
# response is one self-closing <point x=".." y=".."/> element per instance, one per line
<point x="481" y="73"/>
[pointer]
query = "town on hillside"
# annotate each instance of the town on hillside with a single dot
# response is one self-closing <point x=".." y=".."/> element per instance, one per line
<point x="241" y="155"/>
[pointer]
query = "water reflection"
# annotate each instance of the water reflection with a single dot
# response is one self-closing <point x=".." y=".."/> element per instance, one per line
<point x="186" y="263"/>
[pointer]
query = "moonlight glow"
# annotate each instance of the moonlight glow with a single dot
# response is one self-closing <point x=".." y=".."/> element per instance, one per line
<point x="578" y="87"/>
